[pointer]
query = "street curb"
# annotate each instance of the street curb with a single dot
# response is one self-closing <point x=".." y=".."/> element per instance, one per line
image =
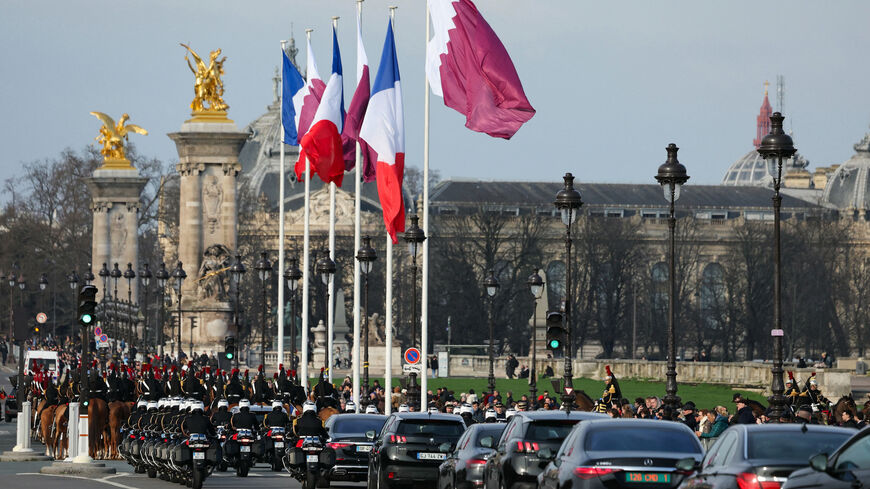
<point x="11" y="456"/>
<point x="69" y="468"/>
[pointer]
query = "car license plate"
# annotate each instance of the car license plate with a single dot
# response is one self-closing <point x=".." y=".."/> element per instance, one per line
<point x="245" y="448"/>
<point x="279" y="444"/>
<point x="199" y="455"/>
<point x="648" y="477"/>
<point x="431" y="456"/>
<point x="311" y="458"/>
<point x="363" y="448"/>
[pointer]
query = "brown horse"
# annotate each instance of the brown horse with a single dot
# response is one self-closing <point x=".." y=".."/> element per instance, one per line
<point x="846" y="403"/>
<point x="46" y="425"/>
<point x="582" y="401"/>
<point x="60" y="439"/>
<point x="326" y="413"/>
<point x="98" y="413"/>
<point x="118" y="413"/>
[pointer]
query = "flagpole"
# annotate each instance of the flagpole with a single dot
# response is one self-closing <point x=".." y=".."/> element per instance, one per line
<point x="424" y="298"/>
<point x="388" y="331"/>
<point x="280" y="358"/>
<point x="306" y="265"/>
<point x="330" y="306"/>
<point x="356" y="245"/>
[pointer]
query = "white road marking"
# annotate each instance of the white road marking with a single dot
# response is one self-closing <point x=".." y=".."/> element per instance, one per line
<point x="104" y="480"/>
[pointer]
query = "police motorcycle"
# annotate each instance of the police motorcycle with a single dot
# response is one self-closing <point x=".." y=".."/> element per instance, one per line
<point x="274" y="439"/>
<point x="310" y="459"/>
<point x="132" y="438"/>
<point x="239" y="447"/>
<point x="200" y="451"/>
<point x="220" y="419"/>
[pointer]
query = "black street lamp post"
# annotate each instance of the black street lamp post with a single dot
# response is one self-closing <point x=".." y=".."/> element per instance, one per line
<point x="264" y="270"/>
<point x="73" y="280"/>
<point x="179" y="275"/>
<point x="366" y="257"/>
<point x="116" y="275"/>
<point x="237" y="270"/>
<point x="43" y="285"/>
<point x="671" y="176"/>
<point x="325" y="267"/>
<point x="162" y="277"/>
<point x="777" y="145"/>
<point x="568" y="202"/>
<point x="536" y="286"/>
<point x="145" y="277"/>
<point x="490" y="283"/>
<point x="13" y="279"/>
<point x="130" y="275"/>
<point x="415" y="237"/>
<point x="292" y="276"/>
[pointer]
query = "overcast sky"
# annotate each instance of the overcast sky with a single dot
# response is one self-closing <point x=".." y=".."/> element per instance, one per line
<point x="613" y="82"/>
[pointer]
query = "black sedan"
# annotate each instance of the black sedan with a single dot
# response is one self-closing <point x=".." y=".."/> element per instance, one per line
<point x="847" y="467"/>
<point x="761" y="456"/>
<point x="463" y="468"/>
<point x="516" y="462"/>
<point x="621" y="453"/>
<point x="347" y="436"/>
<point x="410" y="447"/>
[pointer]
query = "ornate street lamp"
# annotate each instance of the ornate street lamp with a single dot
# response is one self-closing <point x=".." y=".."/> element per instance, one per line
<point x="490" y="283"/>
<point x="536" y="286"/>
<point x="325" y="267"/>
<point x="162" y="277"/>
<point x="73" y="281"/>
<point x="88" y="277"/>
<point x="264" y="270"/>
<point x="366" y="257"/>
<point x="671" y="176"/>
<point x="414" y="236"/>
<point x="130" y="275"/>
<point x="237" y="271"/>
<point x="179" y="275"/>
<point x="145" y="278"/>
<point x="568" y="202"/>
<point x="115" y="275"/>
<point x="43" y="285"/>
<point x="292" y="276"/>
<point x="777" y="146"/>
<point x="13" y="279"/>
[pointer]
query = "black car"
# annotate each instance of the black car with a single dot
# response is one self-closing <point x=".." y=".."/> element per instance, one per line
<point x="347" y="436"/>
<point x="516" y="462"/>
<point x="464" y="466"/>
<point x="761" y="455"/>
<point x="847" y="466"/>
<point x="621" y="453"/>
<point x="410" y="447"/>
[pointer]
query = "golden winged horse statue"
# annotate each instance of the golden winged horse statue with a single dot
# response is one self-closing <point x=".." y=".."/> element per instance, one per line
<point x="113" y="138"/>
<point x="208" y="87"/>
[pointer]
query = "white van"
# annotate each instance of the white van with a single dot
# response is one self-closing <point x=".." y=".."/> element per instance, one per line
<point x="47" y="361"/>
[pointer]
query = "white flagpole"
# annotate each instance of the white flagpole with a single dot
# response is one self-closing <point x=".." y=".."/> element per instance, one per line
<point x="280" y="358"/>
<point x="306" y="265"/>
<point x="388" y="333"/>
<point x="356" y="245"/>
<point x="330" y="306"/>
<point x="424" y="297"/>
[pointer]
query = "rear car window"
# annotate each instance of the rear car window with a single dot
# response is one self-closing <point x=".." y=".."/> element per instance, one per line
<point x="357" y="426"/>
<point x="494" y="432"/>
<point x="549" y="430"/>
<point x="646" y="438"/>
<point x="797" y="446"/>
<point x="430" y="428"/>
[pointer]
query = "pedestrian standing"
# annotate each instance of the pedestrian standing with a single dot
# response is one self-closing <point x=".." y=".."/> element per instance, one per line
<point x="434" y="365"/>
<point x="4" y="350"/>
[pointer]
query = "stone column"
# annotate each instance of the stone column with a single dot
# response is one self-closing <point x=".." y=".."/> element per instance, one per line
<point x="101" y="242"/>
<point x="228" y="207"/>
<point x="189" y="221"/>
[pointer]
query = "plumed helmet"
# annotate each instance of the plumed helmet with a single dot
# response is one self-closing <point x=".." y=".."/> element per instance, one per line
<point x="609" y="373"/>
<point x="244" y="403"/>
<point x="308" y="407"/>
<point x="813" y="381"/>
<point x="371" y="409"/>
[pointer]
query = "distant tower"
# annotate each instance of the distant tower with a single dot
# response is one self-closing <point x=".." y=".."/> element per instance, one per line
<point x="763" y="121"/>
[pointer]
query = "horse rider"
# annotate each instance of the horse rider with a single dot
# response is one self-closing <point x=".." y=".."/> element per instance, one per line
<point x="261" y="391"/>
<point x="127" y="386"/>
<point x="150" y="386"/>
<point x="192" y="387"/>
<point x="309" y="424"/>
<point x="222" y="416"/>
<point x="113" y="384"/>
<point x="325" y="393"/>
<point x="234" y="390"/>
<point x="174" y="381"/>
<point x="277" y="417"/>
<point x="244" y="419"/>
<point x="612" y="392"/>
<point x="96" y="384"/>
<point x="791" y="390"/>
<point x="814" y="395"/>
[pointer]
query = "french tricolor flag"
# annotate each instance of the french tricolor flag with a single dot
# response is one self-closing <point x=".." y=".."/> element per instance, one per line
<point x="384" y="131"/>
<point x="292" y="83"/>
<point x="305" y="102"/>
<point x="467" y="64"/>
<point x="322" y="143"/>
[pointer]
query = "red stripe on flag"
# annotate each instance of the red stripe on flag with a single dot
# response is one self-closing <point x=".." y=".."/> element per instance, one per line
<point x="390" y="194"/>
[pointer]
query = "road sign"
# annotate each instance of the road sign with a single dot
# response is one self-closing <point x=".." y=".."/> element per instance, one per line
<point x="408" y="368"/>
<point x="412" y="356"/>
<point x="104" y="338"/>
<point x="41" y="318"/>
<point x="98" y="331"/>
<point x="776" y="332"/>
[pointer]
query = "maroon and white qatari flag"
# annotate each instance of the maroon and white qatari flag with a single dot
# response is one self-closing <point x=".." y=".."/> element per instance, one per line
<point x="356" y="112"/>
<point x="469" y="67"/>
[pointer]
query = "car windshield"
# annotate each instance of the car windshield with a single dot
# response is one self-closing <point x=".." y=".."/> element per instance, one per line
<point x="796" y="446"/>
<point x="447" y="429"/>
<point x="357" y="426"/>
<point x="549" y="430"/>
<point x="646" y="438"/>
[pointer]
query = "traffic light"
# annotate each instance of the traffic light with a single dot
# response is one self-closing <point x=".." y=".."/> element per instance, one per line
<point x="87" y="305"/>
<point x="230" y="347"/>
<point x="555" y="331"/>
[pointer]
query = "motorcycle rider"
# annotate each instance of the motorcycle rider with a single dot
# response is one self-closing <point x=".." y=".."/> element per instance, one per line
<point x="309" y="424"/>
<point x="235" y="391"/>
<point x="244" y="420"/>
<point x="277" y="417"/>
<point x="196" y="421"/>
<point x="222" y="416"/>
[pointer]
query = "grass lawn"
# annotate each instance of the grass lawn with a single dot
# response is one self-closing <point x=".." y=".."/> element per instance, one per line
<point x="705" y="396"/>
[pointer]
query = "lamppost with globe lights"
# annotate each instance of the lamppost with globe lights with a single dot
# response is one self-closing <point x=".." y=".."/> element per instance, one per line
<point x="414" y="236"/>
<point x="366" y="257"/>
<point x="162" y="277"/>
<point x="237" y="271"/>
<point x="325" y="267"/>
<point x="776" y="146"/>
<point x="292" y="276"/>
<point x="73" y="281"/>
<point x="43" y="285"/>
<point x="490" y="283"/>
<point x="671" y="176"/>
<point x="264" y="270"/>
<point x="145" y="278"/>
<point x="115" y="275"/>
<point x="568" y="202"/>
<point x="536" y="286"/>
<point x="179" y="275"/>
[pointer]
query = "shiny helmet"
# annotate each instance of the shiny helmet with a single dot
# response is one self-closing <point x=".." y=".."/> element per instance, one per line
<point x="371" y="409"/>
<point x="403" y="408"/>
<point x="244" y="403"/>
<point x="196" y="406"/>
<point x="152" y="405"/>
<point x="490" y="414"/>
<point x="509" y="413"/>
<point x="276" y="404"/>
<point x="309" y="406"/>
<point x="142" y="404"/>
<point x="350" y="407"/>
<point x="222" y="403"/>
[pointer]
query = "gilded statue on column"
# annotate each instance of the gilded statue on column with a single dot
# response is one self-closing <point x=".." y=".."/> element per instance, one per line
<point x="112" y="138"/>
<point x="208" y="87"/>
